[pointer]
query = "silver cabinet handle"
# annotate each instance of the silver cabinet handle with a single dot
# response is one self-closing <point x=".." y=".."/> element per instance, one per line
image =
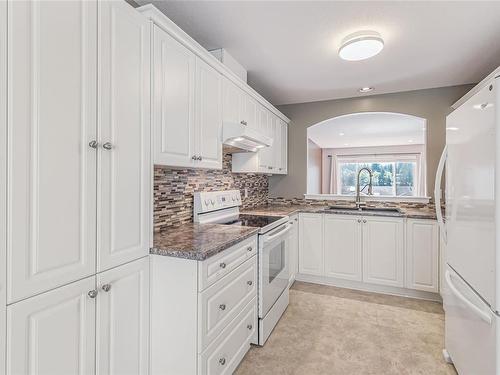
<point x="243" y="122"/>
<point x="107" y="146"/>
<point x="222" y="265"/>
<point x="296" y="219"/>
<point x="359" y="220"/>
<point x="364" y="221"/>
<point x="249" y="327"/>
<point x="93" y="144"/>
<point x="222" y="361"/>
<point x="222" y="306"/>
<point x="194" y="157"/>
<point x="200" y="158"/>
<point x="249" y="248"/>
<point x="250" y="282"/>
<point x="106" y="287"/>
<point x="92" y="293"/>
<point x="269" y="167"/>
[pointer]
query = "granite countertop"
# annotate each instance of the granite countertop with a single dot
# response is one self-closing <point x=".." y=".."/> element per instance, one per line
<point x="281" y="210"/>
<point x="198" y="241"/>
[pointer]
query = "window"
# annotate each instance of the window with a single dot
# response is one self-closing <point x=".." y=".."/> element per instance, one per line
<point x="393" y="175"/>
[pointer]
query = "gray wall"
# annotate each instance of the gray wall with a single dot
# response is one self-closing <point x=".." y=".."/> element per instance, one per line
<point x="431" y="104"/>
<point x="314" y="168"/>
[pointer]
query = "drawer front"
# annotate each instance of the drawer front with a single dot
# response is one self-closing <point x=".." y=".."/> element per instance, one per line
<point x="220" y="303"/>
<point x="227" y="351"/>
<point x="218" y="266"/>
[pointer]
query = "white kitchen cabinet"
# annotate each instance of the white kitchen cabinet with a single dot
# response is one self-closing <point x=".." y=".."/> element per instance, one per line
<point x="265" y="155"/>
<point x="53" y="333"/>
<point x="383" y="250"/>
<point x="208" y="116"/>
<point x="124" y="131"/>
<point x="283" y="169"/>
<point x="293" y="248"/>
<point x="343" y="247"/>
<point x="123" y="319"/>
<point x="422" y="255"/>
<point x="311" y="259"/>
<point x="276" y="147"/>
<point x="52" y="79"/>
<point x="233" y="105"/>
<point x="251" y="112"/>
<point x="174" y="77"/>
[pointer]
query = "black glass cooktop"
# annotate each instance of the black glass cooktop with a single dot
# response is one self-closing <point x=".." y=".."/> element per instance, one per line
<point x="254" y="220"/>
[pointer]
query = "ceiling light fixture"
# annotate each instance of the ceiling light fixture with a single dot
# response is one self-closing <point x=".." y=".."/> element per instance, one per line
<point x="452" y="128"/>
<point x="365" y="89"/>
<point x="361" y="45"/>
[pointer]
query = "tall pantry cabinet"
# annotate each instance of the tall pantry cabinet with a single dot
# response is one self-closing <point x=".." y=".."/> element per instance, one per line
<point x="78" y="186"/>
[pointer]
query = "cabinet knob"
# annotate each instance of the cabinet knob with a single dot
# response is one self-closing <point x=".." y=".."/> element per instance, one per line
<point x="359" y="220"/>
<point x="243" y="122"/>
<point x="107" y="146"/>
<point x="106" y="287"/>
<point x="250" y="282"/>
<point x="222" y="361"/>
<point x="269" y="167"/>
<point x="249" y="327"/>
<point x="194" y="157"/>
<point x="93" y="144"/>
<point x="200" y="158"/>
<point x="249" y="248"/>
<point x="92" y="293"/>
<point x="364" y="221"/>
<point x="222" y="265"/>
<point x="222" y="306"/>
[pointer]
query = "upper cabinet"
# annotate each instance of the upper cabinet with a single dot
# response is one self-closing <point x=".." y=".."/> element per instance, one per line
<point x="194" y="94"/>
<point x="79" y="168"/>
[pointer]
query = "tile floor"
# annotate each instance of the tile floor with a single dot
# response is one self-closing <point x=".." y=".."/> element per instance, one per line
<point x="329" y="330"/>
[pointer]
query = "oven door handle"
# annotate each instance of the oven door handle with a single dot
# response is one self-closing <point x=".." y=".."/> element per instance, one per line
<point x="278" y="232"/>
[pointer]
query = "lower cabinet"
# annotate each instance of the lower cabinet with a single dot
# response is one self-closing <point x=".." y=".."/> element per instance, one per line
<point x="383" y="251"/>
<point x="311" y="244"/>
<point x="422" y="255"/>
<point x="293" y="252"/>
<point x="203" y="313"/>
<point x="57" y="332"/>
<point x="373" y="250"/>
<point x="342" y="241"/>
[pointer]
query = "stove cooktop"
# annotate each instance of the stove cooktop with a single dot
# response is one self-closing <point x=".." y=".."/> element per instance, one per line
<point x="254" y="220"/>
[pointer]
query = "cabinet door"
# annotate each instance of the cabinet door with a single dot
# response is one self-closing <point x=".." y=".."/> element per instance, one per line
<point x="284" y="147"/>
<point x="343" y="251"/>
<point x="123" y="319"/>
<point x="233" y="102"/>
<point x="311" y="244"/>
<point x="124" y="124"/>
<point x="277" y="145"/>
<point x="54" y="332"/>
<point x="3" y="179"/>
<point x="383" y="251"/>
<point x="293" y="251"/>
<point x="422" y="255"/>
<point x="173" y="101"/>
<point x="51" y="120"/>
<point x="251" y="112"/>
<point x="208" y="116"/>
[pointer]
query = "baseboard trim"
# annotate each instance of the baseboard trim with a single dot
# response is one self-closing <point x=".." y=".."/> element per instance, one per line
<point x="356" y="285"/>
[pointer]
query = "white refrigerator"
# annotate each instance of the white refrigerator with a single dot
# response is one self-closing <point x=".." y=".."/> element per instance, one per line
<point x="471" y="230"/>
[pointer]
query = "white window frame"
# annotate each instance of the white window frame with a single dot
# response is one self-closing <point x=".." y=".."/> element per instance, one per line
<point x="384" y="158"/>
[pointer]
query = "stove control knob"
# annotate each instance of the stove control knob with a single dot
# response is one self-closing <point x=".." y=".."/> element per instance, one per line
<point x="207" y="202"/>
<point x="212" y="201"/>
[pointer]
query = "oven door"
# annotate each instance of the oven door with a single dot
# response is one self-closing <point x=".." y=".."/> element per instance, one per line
<point x="273" y="266"/>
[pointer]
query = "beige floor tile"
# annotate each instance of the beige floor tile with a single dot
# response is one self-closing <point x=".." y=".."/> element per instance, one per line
<point x="335" y="331"/>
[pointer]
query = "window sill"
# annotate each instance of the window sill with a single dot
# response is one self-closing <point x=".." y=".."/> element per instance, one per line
<point x="368" y="198"/>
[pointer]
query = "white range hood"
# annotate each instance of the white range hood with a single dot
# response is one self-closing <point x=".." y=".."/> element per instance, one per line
<point x="243" y="137"/>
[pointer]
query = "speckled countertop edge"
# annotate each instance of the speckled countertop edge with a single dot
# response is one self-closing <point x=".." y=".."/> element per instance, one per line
<point x="198" y="241"/>
<point x="280" y="210"/>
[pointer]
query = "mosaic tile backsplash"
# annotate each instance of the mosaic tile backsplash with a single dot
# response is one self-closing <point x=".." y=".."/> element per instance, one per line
<point x="174" y="188"/>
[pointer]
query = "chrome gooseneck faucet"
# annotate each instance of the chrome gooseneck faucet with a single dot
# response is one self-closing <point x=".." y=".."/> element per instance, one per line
<point x="358" y="190"/>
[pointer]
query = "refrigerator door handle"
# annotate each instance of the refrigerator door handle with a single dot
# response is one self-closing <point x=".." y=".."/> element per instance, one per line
<point x="460" y="296"/>
<point x="437" y="192"/>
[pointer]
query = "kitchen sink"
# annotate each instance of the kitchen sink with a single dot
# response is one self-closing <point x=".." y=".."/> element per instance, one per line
<point x="386" y="210"/>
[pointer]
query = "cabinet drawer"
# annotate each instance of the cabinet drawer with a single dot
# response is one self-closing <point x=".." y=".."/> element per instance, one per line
<point x="226" y="352"/>
<point x="218" y="266"/>
<point x="220" y="303"/>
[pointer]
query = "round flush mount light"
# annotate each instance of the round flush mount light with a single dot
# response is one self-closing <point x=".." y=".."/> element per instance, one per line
<point x="365" y="89"/>
<point x="361" y="45"/>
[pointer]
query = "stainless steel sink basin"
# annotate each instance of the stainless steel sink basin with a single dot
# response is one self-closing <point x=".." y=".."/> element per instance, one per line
<point x="383" y="210"/>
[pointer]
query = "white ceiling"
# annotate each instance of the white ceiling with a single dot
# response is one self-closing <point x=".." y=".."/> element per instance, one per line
<point x="290" y="47"/>
<point x="368" y="129"/>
